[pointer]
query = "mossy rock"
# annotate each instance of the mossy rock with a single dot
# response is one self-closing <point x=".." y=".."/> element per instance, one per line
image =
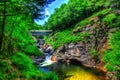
<point x="78" y="29"/>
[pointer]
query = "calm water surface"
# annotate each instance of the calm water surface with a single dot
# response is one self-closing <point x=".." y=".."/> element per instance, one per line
<point x="73" y="72"/>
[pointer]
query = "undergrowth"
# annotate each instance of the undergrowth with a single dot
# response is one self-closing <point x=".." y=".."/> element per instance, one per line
<point x="20" y="66"/>
<point x="65" y="37"/>
<point x="112" y="56"/>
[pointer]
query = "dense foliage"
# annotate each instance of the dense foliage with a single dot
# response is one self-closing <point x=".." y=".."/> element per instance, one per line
<point x="73" y="12"/>
<point x="112" y="56"/>
<point x="64" y="37"/>
<point x="16" y="43"/>
<point x="68" y="22"/>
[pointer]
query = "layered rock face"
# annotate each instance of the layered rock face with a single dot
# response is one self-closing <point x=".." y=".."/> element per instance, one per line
<point x="84" y="51"/>
<point x="90" y="50"/>
<point x="77" y="53"/>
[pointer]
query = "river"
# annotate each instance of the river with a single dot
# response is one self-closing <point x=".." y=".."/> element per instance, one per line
<point x="70" y="71"/>
<point x="73" y="72"/>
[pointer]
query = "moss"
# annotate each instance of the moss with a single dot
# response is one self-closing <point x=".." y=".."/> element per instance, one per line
<point x="94" y="53"/>
<point x="102" y="12"/>
<point x="82" y="23"/>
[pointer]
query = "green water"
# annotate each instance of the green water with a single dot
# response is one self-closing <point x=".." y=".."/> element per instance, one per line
<point x="75" y="72"/>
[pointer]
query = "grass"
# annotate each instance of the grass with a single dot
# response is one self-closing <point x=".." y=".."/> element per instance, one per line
<point x="86" y="21"/>
<point x="109" y="18"/>
<point x="65" y="37"/>
<point x="94" y="53"/>
<point x="29" y="71"/>
<point x="112" y="56"/>
<point x="22" y="61"/>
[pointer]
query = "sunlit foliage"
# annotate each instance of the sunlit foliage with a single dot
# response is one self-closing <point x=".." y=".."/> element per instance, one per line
<point x="17" y="43"/>
<point x="112" y="56"/>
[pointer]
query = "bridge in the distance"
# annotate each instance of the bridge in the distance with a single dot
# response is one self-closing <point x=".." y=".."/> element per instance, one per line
<point x="40" y="32"/>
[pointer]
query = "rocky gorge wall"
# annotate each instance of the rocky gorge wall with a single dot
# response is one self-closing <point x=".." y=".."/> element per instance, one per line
<point x="90" y="50"/>
<point x="86" y="50"/>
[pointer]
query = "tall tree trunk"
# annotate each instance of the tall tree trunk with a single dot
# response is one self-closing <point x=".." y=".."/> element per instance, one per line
<point x="3" y="27"/>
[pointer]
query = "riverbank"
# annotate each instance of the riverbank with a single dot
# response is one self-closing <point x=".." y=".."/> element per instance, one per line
<point x="66" y="65"/>
<point x="93" y="42"/>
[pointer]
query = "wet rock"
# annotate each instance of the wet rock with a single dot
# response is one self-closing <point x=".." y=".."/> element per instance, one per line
<point x="41" y="42"/>
<point x="112" y="30"/>
<point x="110" y="76"/>
<point x="95" y="19"/>
<point x="61" y="49"/>
<point x="77" y="52"/>
<point x="95" y="25"/>
<point x="88" y="25"/>
<point x="78" y="29"/>
<point x="38" y="61"/>
<point x="71" y="45"/>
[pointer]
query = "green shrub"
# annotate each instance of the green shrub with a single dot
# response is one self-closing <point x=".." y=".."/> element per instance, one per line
<point x="94" y="53"/>
<point x="4" y="66"/>
<point x="24" y="64"/>
<point x="103" y="12"/>
<point x="50" y="76"/>
<point x="32" y="50"/>
<point x="72" y="13"/>
<point x="22" y="61"/>
<point x="109" y="18"/>
<point x="116" y="22"/>
<point x="1" y="76"/>
<point x="86" y="21"/>
<point x="6" y="70"/>
<point x="112" y="56"/>
<point x="64" y="37"/>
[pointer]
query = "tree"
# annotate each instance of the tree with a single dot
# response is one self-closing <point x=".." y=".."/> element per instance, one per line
<point x="73" y="12"/>
<point x="11" y="11"/>
<point x="3" y="16"/>
<point x="115" y="3"/>
<point x="17" y="43"/>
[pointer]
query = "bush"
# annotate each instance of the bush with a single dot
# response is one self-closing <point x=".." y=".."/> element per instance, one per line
<point x="64" y="37"/>
<point x="94" y="53"/>
<point x="72" y="13"/>
<point x="22" y="61"/>
<point x="1" y="76"/>
<point x="4" y="66"/>
<point x="116" y="22"/>
<point x="112" y="56"/>
<point x="32" y="50"/>
<point x="109" y="18"/>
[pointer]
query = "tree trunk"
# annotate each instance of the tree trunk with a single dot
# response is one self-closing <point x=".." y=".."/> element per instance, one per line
<point x="3" y="27"/>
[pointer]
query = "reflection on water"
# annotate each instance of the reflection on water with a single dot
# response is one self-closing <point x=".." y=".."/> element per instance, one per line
<point x="45" y="69"/>
<point x="73" y="72"/>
